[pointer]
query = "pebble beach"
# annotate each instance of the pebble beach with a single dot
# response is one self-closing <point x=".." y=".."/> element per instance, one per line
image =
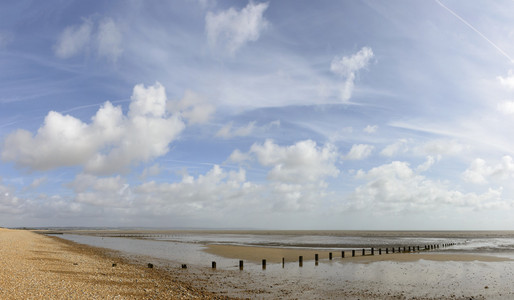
<point x="34" y="266"/>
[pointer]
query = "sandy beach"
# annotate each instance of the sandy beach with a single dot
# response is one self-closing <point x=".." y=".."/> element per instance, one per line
<point x="34" y="266"/>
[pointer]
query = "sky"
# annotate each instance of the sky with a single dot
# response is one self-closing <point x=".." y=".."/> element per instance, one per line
<point x="378" y="115"/>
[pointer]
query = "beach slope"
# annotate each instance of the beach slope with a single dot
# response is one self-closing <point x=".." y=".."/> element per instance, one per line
<point x="35" y="266"/>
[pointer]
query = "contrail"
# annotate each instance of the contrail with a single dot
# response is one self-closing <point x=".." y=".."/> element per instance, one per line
<point x="475" y="30"/>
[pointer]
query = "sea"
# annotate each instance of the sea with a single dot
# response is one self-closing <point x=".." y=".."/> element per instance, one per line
<point x="188" y="245"/>
<point x="329" y="279"/>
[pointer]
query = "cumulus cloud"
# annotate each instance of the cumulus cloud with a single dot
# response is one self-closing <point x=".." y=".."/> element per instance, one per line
<point x="101" y="191"/>
<point x="103" y="37"/>
<point x="216" y="191"/>
<point x="359" y="151"/>
<point x="300" y="163"/>
<point x="426" y="165"/>
<point x="348" y="66"/>
<point x="193" y="108"/>
<point x="479" y="172"/>
<point x="506" y="107"/>
<point x="38" y="182"/>
<point x="9" y="202"/>
<point x="239" y="157"/>
<point x="395" y="148"/>
<point x="371" y="129"/>
<point x="110" y="142"/>
<point x="233" y="28"/>
<point x="153" y="170"/>
<point x="507" y="81"/>
<point x="395" y="187"/>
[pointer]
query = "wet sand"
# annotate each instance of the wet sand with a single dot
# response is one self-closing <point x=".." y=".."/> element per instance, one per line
<point x="275" y="255"/>
<point x="33" y="266"/>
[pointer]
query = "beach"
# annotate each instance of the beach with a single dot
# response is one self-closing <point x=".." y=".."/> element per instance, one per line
<point x="33" y="266"/>
<point x="61" y="266"/>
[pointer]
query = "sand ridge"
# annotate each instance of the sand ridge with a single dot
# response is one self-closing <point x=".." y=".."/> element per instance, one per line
<point x="275" y="255"/>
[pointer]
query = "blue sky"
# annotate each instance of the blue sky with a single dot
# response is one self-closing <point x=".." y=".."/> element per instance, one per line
<point x="278" y="114"/>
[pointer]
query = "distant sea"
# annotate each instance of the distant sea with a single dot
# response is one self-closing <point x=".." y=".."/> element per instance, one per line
<point x="180" y="245"/>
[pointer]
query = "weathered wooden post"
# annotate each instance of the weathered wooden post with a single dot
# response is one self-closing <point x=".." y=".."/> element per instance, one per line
<point x="330" y="255"/>
<point x="184" y="266"/>
<point x="240" y="265"/>
<point x="387" y="250"/>
<point x="150" y="265"/>
<point x="300" y="261"/>
<point x="363" y="252"/>
<point x="283" y="262"/>
<point x="372" y="251"/>
<point x="379" y="251"/>
<point x="316" y="257"/>
<point x="353" y="253"/>
<point x="264" y="264"/>
<point x="409" y="248"/>
<point x="392" y="248"/>
<point x="342" y="254"/>
<point x="214" y="265"/>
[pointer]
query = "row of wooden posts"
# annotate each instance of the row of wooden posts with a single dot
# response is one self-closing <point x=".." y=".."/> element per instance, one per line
<point x="406" y="249"/>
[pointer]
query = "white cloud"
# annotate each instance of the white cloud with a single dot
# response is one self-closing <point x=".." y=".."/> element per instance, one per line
<point x="299" y="163"/>
<point x="9" y="203"/>
<point x="105" y="38"/>
<point x="109" y="40"/>
<point x="371" y="129"/>
<point x="426" y="165"/>
<point x="507" y="81"/>
<point x="153" y="170"/>
<point x="397" y="147"/>
<point x="341" y="134"/>
<point x="107" y="191"/>
<point x="193" y="108"/>
<point x="226" y="131"/>
<point x="215" y="192"/>
<point x="395" y="187"/>
<point x="238" y="157"/>
<point x="110" y="143"/>
<point x="233" y="28"/>
<point x="506" y="107"/>
<point x="74" y="39"/>
<point x="479" y="172"/>
<point x="38" y="182"/>
<point x="360" y="151"/>
<point x="347" y="67"/>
